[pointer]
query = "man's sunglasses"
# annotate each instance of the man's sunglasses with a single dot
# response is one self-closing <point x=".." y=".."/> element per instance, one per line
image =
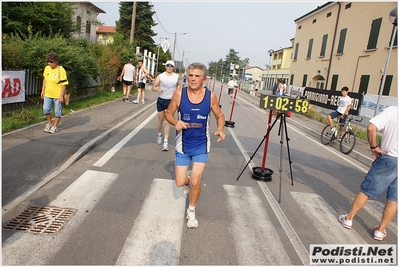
<point x="169" y="65"/>
<point x="50" y="61"/>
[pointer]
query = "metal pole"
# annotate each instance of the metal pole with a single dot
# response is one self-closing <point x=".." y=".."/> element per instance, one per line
<point x="156" y="70"/>
<point x="174" y="47"/>
<point x="133" y="22"/>
<point x="384" y="76"/>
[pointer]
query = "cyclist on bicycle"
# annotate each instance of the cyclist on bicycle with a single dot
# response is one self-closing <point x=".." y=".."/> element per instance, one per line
<point x="344" y="105"/>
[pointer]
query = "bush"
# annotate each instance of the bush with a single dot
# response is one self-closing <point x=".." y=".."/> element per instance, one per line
<point x="77" y="56"/>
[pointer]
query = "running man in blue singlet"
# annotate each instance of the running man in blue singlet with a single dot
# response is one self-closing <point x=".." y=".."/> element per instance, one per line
<point x="194" y="105"/>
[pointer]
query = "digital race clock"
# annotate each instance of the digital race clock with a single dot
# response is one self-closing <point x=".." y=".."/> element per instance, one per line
<point x="284" y="104"/>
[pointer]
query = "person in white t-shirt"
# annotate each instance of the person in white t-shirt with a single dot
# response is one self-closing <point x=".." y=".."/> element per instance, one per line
<point x="383" y="174"/>
<point x="143" y="72"/>
<point x="230" y="86"/>
<point x="165" y="84"/>
<point x="344" y="106"/>
<point x="127" y="77"/>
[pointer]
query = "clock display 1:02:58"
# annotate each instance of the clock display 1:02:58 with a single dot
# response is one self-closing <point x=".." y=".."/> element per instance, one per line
<point x="286" y="104"/>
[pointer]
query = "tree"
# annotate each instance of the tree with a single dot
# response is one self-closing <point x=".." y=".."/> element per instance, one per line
<point x="29" y="18"/>
<point x="143" y="26"/>
<point x="231" y="58"/>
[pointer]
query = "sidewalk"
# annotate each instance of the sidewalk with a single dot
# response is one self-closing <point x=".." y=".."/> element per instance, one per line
<point x="31" y="157"/>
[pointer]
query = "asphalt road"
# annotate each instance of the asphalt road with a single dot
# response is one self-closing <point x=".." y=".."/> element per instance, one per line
<point x="104" y="164"/>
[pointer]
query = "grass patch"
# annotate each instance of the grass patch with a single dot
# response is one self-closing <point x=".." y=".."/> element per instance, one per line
<point x="29" y="116"/>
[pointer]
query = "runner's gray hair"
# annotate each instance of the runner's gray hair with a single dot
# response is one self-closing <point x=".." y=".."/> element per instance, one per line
<point x="197" y="65"/>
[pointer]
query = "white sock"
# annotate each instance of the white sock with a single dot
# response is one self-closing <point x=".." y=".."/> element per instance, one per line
<point x="191" y="208"/>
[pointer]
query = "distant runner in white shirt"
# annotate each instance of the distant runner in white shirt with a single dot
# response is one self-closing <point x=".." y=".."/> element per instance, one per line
<point x="128" y="73"/>
<point x="143" y="72"/>
<point x="165" y="84"/>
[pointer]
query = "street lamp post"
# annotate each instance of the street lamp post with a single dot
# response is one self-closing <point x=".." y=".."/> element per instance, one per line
<point x="188" y="51"/>
<point x="246" y="60"/>
<point x="393" y="17"/>
<point x="271" y="51"/>
<point x="174" y="45"/>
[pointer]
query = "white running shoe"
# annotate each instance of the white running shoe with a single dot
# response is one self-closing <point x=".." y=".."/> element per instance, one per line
<point x="53" y="129"/>
<point x="159" y="140"/>
<point x="165" y="146"/>
<point x="48" y="127"/>
<point x="142" y="102"/>
<point x="345" y="222"/>
<point x="192" y="221"/>
<point x="186" y="187"/>
<point x="379" y="235"/>
<point x="136" y="101"/>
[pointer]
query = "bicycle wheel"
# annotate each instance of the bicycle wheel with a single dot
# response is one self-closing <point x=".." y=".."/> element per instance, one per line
<point x="326" y="135"/>
<point x="347" y="142"/>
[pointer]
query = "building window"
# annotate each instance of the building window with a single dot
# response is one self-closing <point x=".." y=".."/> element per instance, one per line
<point x="320" y="82"/>
<point x="364" y="84"/>
<point x="292" y="79"/>
<point x="348" y="5"/>
<point x="78" y="23"/>
<point x="314" y="21"/>
<point x="334" y="82"/>
<point x="309" y="55"/>
<point x="296" y="51"/>
<point x="374" y="32"/>
<point x="328" y="14"/>
<point x="305" y="78"/>
<point x="299" y="27"/>
<point x="88" y="26"/>
<point x="387" y="85"/>
<point x="341" y="44"/>
<point x="324" y="45"/>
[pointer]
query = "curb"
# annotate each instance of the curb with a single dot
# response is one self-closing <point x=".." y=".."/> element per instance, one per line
<point x="71" y="160"/>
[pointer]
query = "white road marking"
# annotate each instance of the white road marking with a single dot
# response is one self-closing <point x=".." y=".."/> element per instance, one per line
<point x="300" y="249"/>
<point x="325" y="220"/>
<point x="252" y="230"/>
<point x="83" y="194"/>
<point x="104" y="159"/>
<point x="77" y="155"/>
<point x="155" y="238"/>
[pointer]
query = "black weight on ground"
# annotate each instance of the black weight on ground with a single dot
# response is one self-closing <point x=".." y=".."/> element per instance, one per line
<point x="229" y="124"/>
<point x="262" y="175"/>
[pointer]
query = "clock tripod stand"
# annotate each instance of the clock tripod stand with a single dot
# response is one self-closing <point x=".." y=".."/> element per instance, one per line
<point x="258" y="173"/>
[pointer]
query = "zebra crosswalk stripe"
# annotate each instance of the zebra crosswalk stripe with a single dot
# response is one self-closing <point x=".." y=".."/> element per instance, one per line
<point x="325" y="219"/>
<point x="28" y="249"/>
<point x="156" y="235"/>
<point x="252" y="229"/>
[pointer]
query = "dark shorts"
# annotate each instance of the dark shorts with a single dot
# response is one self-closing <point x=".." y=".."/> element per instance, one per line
<point x="141" y="85"/>
<point x="382" y="176"/>
<point x="127" y="82"/>
<point x="335" y="114"/>
<point x="162" y="104"/>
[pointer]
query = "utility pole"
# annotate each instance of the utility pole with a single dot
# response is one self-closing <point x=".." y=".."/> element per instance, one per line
<point x="133" y="22"/>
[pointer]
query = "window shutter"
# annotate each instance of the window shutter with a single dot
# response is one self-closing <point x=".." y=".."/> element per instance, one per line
<point x="309" y="55"/>
<point x="341" y="43"/>
<point x="374" y="32"/>
<point x="324" y="45"/>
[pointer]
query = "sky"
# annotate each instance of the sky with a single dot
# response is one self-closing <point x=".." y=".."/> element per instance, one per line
<point x="212" y="28"/>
